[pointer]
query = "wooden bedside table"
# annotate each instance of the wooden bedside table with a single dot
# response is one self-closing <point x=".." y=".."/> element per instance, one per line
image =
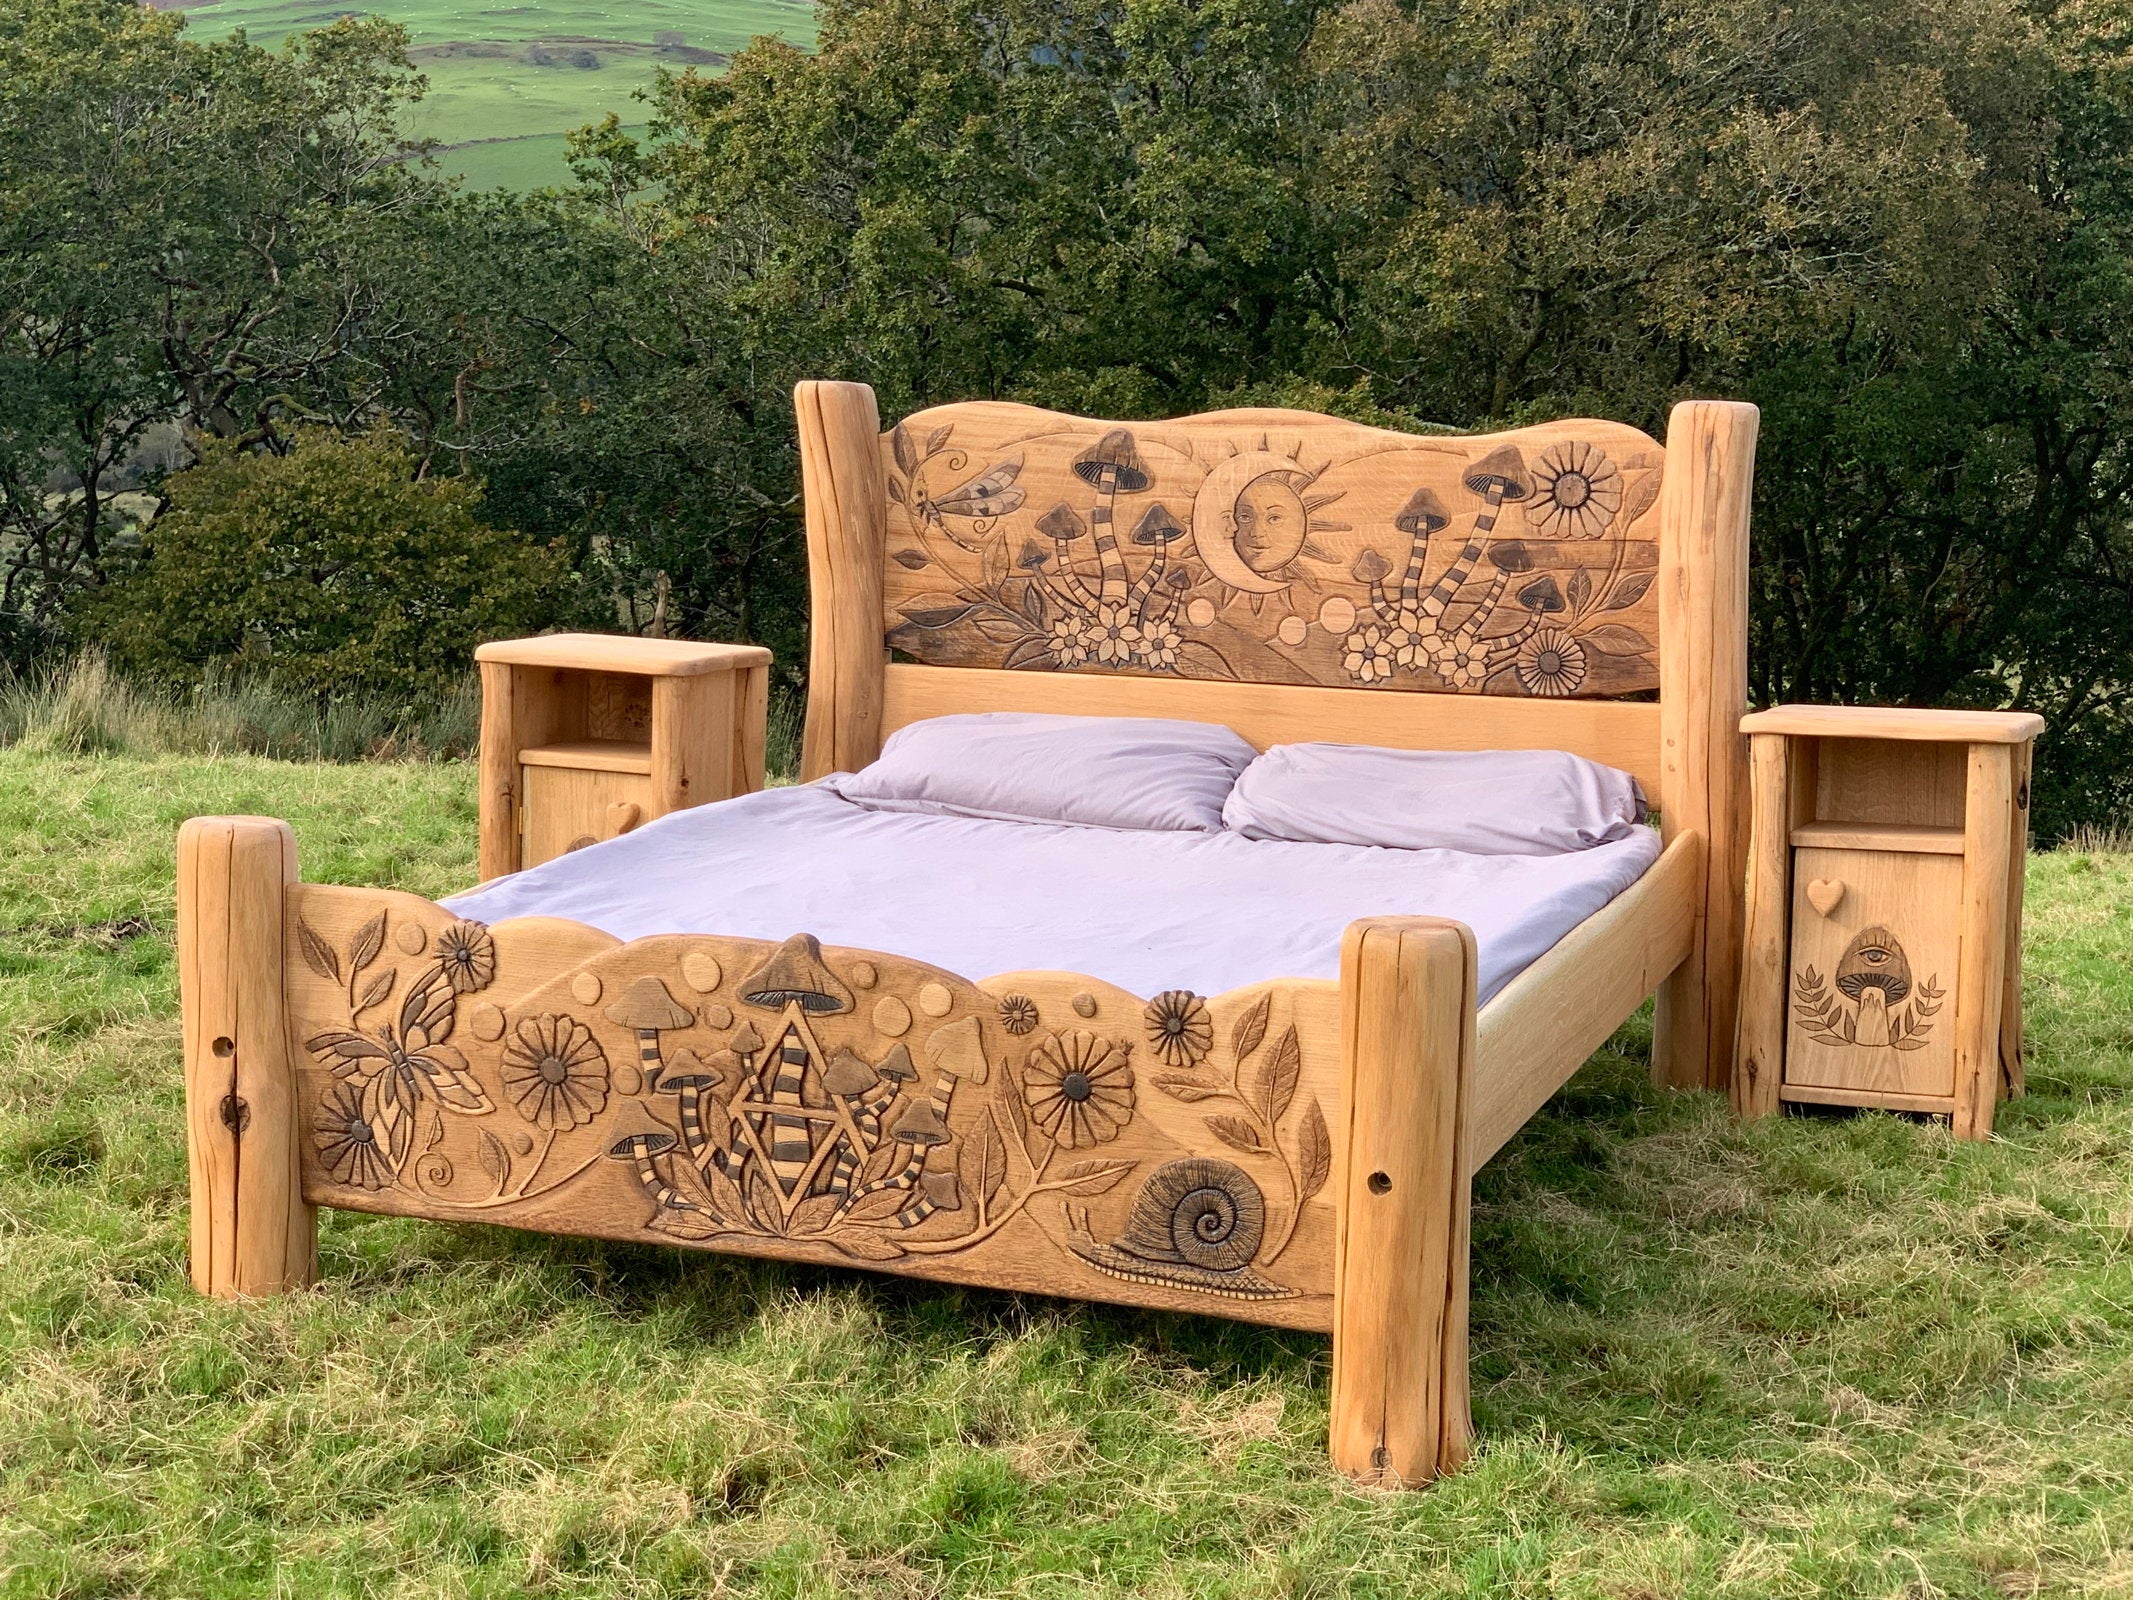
<point x="1884" y="926"/>
<point x="586" y="735"/>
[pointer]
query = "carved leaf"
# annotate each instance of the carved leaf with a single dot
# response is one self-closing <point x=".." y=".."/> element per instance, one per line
<point x="368" y="941"/>
<point x="1639" y="498"/>
<point x="1278" y="1075"/>
<point x="1188" y="1089"/>
<point x="879" y="1164"/>
<point x="880" y="1206"/>
<point x="763" y="1207"/>
<point x="318" y="954"/>
<point x="867" y="1246"/>
<point x="495" y="1159"/>
<point x="435" y="1136"/>
<point x="910" y="559"/>
<point x="938" y="438"/>
<point x="985" y="1159"/>
<point x="1251" y="1027"/>
<point x="1628" y="592"/>
<point x="814" y="1213"/>
<point x="936" y="616"/>
<point x="1911" y="1043"/>
<point x="896" y="489"/>
<point x="1580" y="589"/>
<point x="375" y="991"/>
<point x="1616" y="639"/>
<point x="1000" y="630"/>
<point x="689" y="1182"/>
<point x="1035" y="651"/>
<point x="1314" y="1153"/>
<point x="1236" y="1133"/>
<point x="1093" y="1177"/>
<point x="1017" y="1114"/>
<point x="681" y="1224"/>
<point x="1207" y="661"/>
<point x="394" y="1117"/>
<point x="906" y="455"/>
<point x="726" y="1199"/>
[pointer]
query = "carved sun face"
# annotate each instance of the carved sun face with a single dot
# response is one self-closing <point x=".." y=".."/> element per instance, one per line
<point x="1253" y="519"/>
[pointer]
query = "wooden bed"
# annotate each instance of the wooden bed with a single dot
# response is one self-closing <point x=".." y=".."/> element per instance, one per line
<point x="1295" y="1152"/>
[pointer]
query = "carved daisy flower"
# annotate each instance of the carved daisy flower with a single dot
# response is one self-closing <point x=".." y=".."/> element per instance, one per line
<point x="466" y="955"/>
<point x="555" y="1072"/>
<point x="1460" y="659"/>
<point x="1018" y="1013"/>
<point x="1178" y="1028"/>
<point x="1079" y="1088"/>
<point x="1550" y="663"/>
<point x="1112" y="637"/>
<point x="1369" y="654"/>
<point x="1159" y="644"/>
<point x="348" y="1144"/>
<point x="1069" y="648"/>
<point x="1409" y="637"/>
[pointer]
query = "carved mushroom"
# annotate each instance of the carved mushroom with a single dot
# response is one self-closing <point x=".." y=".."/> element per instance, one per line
<point x="1540" y="599"/>
<point x="1373" y="569"/>
<point x="1159" y="528"/>
<point x="691" y="1079"/>
<point x="794" y="974"/>
<point x="937" y="1191"/>
<point x="1508" y="558"/>
<point x="1109" y="465"/>
<point x="1498" y="476"/>
<point x="646" y="1007"/>
<point x="640" y="1145"/>
<point x="1422" y="518"/>
<point x="1063" y="526"/>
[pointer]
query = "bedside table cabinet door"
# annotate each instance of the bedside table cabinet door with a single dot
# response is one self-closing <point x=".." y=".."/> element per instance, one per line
<point x="1871" y="980"/>
<point x="567" y="808"/>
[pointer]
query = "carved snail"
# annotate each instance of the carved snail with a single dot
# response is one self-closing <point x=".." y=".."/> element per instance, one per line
<point x="1196" y="1224"/>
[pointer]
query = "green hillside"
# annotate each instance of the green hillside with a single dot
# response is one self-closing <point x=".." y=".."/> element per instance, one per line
<point x="508" y="81"/>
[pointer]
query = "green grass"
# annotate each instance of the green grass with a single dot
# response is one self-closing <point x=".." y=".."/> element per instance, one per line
<point x="505" y="80"/>
<point x="1833" y="1355"/>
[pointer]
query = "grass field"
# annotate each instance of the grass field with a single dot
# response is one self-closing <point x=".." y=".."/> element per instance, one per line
<point x="508" y="81"/>
<point x="1835" y="1356"/>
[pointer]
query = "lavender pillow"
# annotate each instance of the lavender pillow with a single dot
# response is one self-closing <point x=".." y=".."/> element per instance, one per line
<point x="1484" y="802"/>
<point x="1022" y="766"/>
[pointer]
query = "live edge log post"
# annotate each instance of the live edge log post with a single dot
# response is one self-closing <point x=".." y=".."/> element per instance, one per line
<point x="252" y="1233"/>
<point x="1400" y="1413"/>
<point x="1703" y="692"/>
<point x="847" y="525"/>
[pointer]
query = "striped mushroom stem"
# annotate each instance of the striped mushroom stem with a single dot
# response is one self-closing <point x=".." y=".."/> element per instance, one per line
<point x="639" y="1147"/>
<point x="937" y="1191"/>
<point x="1108" y="466"/>
<point x="1498" y="476"/>
<point x="1542" y="598"/>
<point x="1063" y="526"/>
<point x="647" y="1009"/>
<point x="1420" y="519"/>
<point x="792" y="1135"/>
<point x="1166" y="604"/>
<point x="956" y="1052"/>
<point x="795" y="980"/>
<point x="1159" y="528"/>
<point x="689" y="1079"/>
<point x="848" y="1077"/>
<point x="923" y="1125"/>
<point x="1507" y="557"/>
<point x="1374" y="569"/>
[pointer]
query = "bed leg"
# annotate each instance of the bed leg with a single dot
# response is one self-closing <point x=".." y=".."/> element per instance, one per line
<point x="252" y="1233"/>
<point x="1400" y="1267"/>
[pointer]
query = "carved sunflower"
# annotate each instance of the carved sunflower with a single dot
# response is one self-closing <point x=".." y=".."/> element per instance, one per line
<point x="1578" y="492"/>
<point x="348" y="1144"/>
<point x="466" y="955"/>
<point x="1079" y="1088"/>
<point x="555" y="1072"/>
<point x="1018" y="1013"/>
<point x="1368" y="657"/>
<point x="1178" y="1028"/>
<point x="1550" y="663"/>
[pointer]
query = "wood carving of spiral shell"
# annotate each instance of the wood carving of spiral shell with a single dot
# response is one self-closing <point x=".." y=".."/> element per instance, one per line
<point x="1196" y="1224"/>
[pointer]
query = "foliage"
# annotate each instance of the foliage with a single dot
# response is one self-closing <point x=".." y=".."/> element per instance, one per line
<point x="1901" y="227"/>
<point x="334" y="567"/>
<point x="1835" y="1355"/>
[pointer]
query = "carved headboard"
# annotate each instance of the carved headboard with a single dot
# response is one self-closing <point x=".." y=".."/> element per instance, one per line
<point x="1573" y="586"/>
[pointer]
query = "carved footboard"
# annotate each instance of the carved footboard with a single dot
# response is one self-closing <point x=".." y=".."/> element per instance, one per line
<point x="365" y="1049"/>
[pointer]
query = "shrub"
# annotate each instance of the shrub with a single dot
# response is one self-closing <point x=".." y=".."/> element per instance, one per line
<point x="334" y="567"/>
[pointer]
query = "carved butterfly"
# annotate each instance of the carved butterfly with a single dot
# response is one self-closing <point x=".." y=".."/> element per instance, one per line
<point x="992" y="493"/>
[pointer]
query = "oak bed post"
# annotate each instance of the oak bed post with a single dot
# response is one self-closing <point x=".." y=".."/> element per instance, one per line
<point x="847" y="513"/>
<point x="1400" y="1412"/>
<point x="1703" y="692"/>
<point x="252" y="1232"/>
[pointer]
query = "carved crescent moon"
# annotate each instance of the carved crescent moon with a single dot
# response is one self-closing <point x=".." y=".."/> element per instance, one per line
<point x="1211" y="506"/>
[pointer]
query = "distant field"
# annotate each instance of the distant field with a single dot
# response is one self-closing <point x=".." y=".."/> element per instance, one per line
<point x="507" y="82"/>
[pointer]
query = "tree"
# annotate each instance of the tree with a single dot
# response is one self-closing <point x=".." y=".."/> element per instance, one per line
<point x="333" y="566"/>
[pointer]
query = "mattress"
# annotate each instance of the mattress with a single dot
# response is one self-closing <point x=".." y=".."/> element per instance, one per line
<point x="1144" y="910"/>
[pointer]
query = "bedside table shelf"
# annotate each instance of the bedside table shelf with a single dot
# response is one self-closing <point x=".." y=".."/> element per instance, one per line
<point x="1884" y="911"/>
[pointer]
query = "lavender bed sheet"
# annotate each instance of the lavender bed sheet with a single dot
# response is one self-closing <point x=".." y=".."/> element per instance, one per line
<point x="1145" y="910"/>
